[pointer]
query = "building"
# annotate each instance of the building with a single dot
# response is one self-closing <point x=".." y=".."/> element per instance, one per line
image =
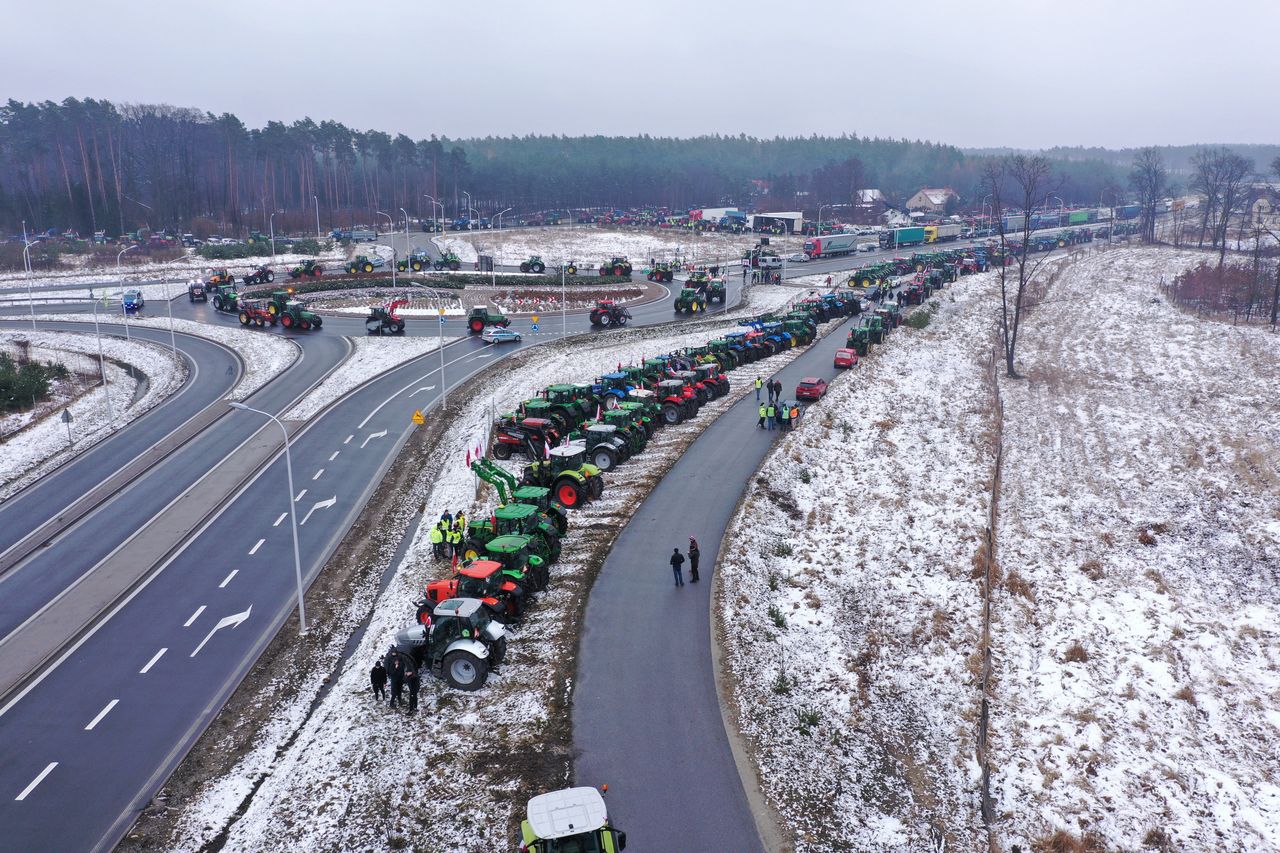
<point x="868" y="207"/>
<point x="929" y="200"/>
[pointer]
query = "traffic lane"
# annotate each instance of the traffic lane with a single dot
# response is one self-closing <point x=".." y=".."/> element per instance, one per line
<point x="646" y="716"/>
<point x="207" y="380"/>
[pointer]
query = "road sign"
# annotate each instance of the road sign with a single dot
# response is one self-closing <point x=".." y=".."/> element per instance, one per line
<point x="418" y="417"/>
<point x="66" y="416"/>
<point x="535" y="327"/>
<point x="534" y="319"/>
<point x="442" y="321"/>
<point x="441" y="310"/>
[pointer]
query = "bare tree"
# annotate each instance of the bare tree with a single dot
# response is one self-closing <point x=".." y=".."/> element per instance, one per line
<point x="1206" y="180"/>
<point x="1024" y="180"/>
<point x="1235" y="171"/>
<point x="1148" y="178"/>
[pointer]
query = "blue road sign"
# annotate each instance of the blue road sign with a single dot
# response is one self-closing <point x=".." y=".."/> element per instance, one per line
<point x="534" y="327"/>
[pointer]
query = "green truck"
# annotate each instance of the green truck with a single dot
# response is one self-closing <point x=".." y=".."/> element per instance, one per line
<point x="1077" y="217"/>
<point x="898" y="237"/>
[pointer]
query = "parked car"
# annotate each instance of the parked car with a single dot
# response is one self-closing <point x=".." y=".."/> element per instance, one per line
<point x="811" y="388"/>
<point x="846" y="358"/>
<point x="133" y="301"/>
<point x="868" y="247"/>
<point x="499" y="335"/>
<point x="798" y="258"/>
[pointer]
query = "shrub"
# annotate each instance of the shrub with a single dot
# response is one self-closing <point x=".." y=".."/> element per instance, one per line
<point x="782" y="684"/>
<point x="805" y="476"/>
<point x="806" y="719"/>
<point x="781" y="549"/>
<point x="1076" y="654"/>
<point x="776" y="615"/>
<point x="919" y="319"/>
<point x="24" y="385"/>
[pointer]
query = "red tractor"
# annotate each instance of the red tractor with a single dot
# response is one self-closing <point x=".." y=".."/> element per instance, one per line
<point x="609" y="313"/>
<point x="253" y="312"/>
<point x="383" y="319"/>
<point x="484" y="580"/>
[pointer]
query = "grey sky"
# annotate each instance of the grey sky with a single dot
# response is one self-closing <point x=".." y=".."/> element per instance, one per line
<point x="975" y="73"/>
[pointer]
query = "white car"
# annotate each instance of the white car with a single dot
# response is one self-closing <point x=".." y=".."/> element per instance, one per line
<point x="499" y="335"/>
<point x="798" y="258"/>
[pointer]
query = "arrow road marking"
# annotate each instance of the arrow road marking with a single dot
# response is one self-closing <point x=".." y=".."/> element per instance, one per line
<point x="318" y="505"/>
<point x="424" y="388"/>
<point x="36" y="781"/>
<point x="225" y="622"/>
<point x="153" y="660"/>
<point x="101" y="714"/>
<point x="371" y="436"/>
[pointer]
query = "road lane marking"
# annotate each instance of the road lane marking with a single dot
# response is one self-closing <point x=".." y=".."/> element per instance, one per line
<point x="226" y="621"/>
<point x="157" y="656"/>
<point x="36" y="781"/>
<point x="371" y="436"/>
<point x="317" y="476"/>
<point x="423" y="388"/>
<point x="194" y="616"/>
<point x="228" y="578"/>
<point x="378" y="407"/>
<point x="101" y="714"/>
<point x="348" y="441"/>
<point x="300" y="494"/>
<point x="256" y="546"/>
<point x="335" y="455"/>
<point x="318" y="505"/>
<point x="486" y="355"/>
<point x="282" y="517"/>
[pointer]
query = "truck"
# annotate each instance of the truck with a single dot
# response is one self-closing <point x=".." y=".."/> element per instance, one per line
<point x="355" y="235"/>
<point x="831" y="245"/>
<point x="943" y="233"/>
<point x="896" y="237"/>
<point x="1078" y="217"/>
<point x="1014" y="222"/>
<point x="735" y="221"/>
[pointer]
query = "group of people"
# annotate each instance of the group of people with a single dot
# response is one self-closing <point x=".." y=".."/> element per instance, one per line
<point x="774" y="410"/>
<point x="677" y="563"/>
<point x="448" y="535"/>
<point x="763" y="276"/>
<point x="402" y="676"/>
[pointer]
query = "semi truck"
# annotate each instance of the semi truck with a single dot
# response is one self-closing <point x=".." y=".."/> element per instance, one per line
<point x="942" y="233"/>
<point x="895" y="237"/>
<point x="831" y="245"/>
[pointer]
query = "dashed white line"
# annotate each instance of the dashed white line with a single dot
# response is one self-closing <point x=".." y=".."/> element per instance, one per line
<point x="335" y="455"/>
<point x="194" y="616"/>
<point x="157" y="656"/>
<point x="228" y="578"/>
<point x="348" y="441"/>
<point x="257" y="545"/>
<point x="36" y="781"/>
<point x="101" y="714"/>
<point x="282" y="517"/>
<point x="300" y="494"/>
<point x="317" y="476"/>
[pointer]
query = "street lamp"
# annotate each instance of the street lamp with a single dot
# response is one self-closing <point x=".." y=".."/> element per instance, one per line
<point x="271" y="223"/>
<point x="316" y="199"/>
<point x="31" y="300"/>
<point x="985" y="206"/>
<point x="499" y="217"/>
<point x="434" y="205"/>
<point x="391" y="225"/>
<point x="293" y="515"/>
<point x="102" y="361"/>
<point x="818" y="233"/>
<point x="173" y="339"/>
<point x="470" y="222"/>
<point x="406" y="230"/>
<point x="120" y="272"/>
<point x="1061" y="207"/>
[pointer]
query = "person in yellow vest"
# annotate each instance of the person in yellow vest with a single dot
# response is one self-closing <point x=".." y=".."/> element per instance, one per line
<point x="784" y="415"/>
<point x="763" y="412"/>
<point x="461" y="521"/>
<point x="771" y="413"/>
<point x="455" y="541"/>
<point x="437" y="541"/>
<point x="759" y="383"/>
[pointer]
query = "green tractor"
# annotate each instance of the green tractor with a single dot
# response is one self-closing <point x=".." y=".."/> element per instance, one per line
<point x="480" y="318"/>
<point x="572" y="819"/>
<point x="616" y="266"/>
<point x="643" y="404"/>
<point x="278" y="299"/>
<point x="359" y="264"/>
<point x="416" y="262"/>
<point x="605" y="447"/>
<point x="663" y="271"/>
<point x="460" y="646"/>
<point x="225" y="298"/>
<point x="518" y="561"/>
<point x="572" y="405"/>
<point x="874" y="325"/>
<point x="307" y="269"/>
<point x="447" y="261"/>
<point x="631" y="428"/>
<point x="514" y="519"/>
<point x="859" y="340"/>
<point x="711" y="287"/>
<point x="509" y="491"/>
<point x="690" y="301"/>
<point x="533" y="265"/>
<point x="294" y="316"/>
<point x="567" y="474"/>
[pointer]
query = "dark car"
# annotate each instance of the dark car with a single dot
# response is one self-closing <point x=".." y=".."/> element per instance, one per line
<point x="811" y="388"/>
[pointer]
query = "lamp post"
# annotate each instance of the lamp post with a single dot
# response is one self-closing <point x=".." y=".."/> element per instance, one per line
<point x="818" y="233"/>
<point x="120" y="272"/>
<point x="499" y="217"/>
<point x="434" y="205"/>
<point x="985" y="206"/>
<point x="406" y="230"/>
<point x="293" y="515"/>
<point x="173" y="338"/>
<point x="391" y="225"/>
<point x="271" y="224"/>
<point x="316" y="199"/>
<point x="102" y="361"/>
<point x="564" y="320"/>
<point x="31" y="300"/>
<point x="1061" y="207"/>
<point x="470" y="222"/>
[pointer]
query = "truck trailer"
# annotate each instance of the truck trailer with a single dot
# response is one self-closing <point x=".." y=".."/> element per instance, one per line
<point x="896" y="237"/>
<point x="831" y="245"/>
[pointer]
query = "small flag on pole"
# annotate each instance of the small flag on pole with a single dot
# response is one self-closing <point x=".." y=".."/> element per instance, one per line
<point x="547" y="448"/>
<point x="468" y="457"/>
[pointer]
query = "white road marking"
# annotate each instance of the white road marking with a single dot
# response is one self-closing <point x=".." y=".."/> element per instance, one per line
<point x="423" y="388"/>
<point x="318" y="505"/>
<point x="348" y="441"/>
<point x="228" y="578"/>
<point x="226" y="621"/>
<point x="36" y="781"/>
<point x="378" y="407"/>
<point x="300" y="494"/>
<point x="317" y="476"/>
<point x="257" y="545"/>
<point x="154" y="658"/>
<point x="282" y="517"/>
<point x="371" y="436"/>
<point x="194" y="616"/>
<point x="101" y="714"/>
<point x="335" y="455"/>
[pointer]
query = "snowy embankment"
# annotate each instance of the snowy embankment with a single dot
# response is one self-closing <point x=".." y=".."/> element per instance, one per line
<point x="1137" y="655"/>
<point x="265" y="355"/>
<point x="845" y="604"/>
<point x="351" y="774"/>
<point x="42" y="444"/>
<point x="371" y="357"/>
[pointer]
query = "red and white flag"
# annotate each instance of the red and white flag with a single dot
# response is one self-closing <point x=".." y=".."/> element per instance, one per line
<point x="546" y="448"/>
<point x="468" y="457"/>
<point x="479" y="449"/>
<point x="599" y="412"/>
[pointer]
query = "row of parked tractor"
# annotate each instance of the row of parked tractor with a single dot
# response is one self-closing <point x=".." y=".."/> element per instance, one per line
<point x="277" y="307"/>
<point x="569" y="435"/>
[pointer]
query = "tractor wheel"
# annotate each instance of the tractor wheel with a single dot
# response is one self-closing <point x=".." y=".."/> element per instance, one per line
<point x="602" y="319"/>
<point x="271" y="276"/>
<point x="368" y="268"/>
<point x="317" y="322"/>
<point x="317" y="271"/>
<point x="272" y="309"/>
<point x="398" y="329"/>
<point x="454" y="265"/>
<point x="621" y="319"/>
<point x="501" y="451"/>
<point x="596" y="486"/>
<point x="672" y="414"/>
<point x="604" y="271"/>
<point x="617" y="270"/>
<point x="524" y="266"/>
<point x="305" y="325"/>
<point x="539" y="268"/>
<point x="465" y="671"/>
<point x="416" y="266"/>
<point x="604" y="458"/>
<point x="287" y="321"/>
<point x="568" y="493"/>
<point x="259" y="322"/>
<point x="476" y="326"/>
<point x="470" y="551"/>
<point x="498" y="653"/>
<point x="610" y="403"/>
<point x="244" y="318"/>
<point x="571" y="270"/>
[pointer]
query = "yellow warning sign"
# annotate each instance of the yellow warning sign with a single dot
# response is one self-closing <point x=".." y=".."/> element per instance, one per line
<point x="534" y="318"/>
<point x="418" y="417"/>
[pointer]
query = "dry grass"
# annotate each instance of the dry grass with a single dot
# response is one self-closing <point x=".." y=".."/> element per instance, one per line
<point x="1064" y="842"/>
<point x="1076" y="654"/>
<point x="1186" y="694"/>
<point x="1017" y="585"/>
<point x="1093" y="570"/>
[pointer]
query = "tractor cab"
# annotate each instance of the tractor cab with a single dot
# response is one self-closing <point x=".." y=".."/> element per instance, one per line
<point x="483" y="581"/>
<point x="521" y="519"/>
<point x="512" y="553"/>
<point x="565" y="471"/>
<point x="630" y="426"/>
<point x="539" y="497"/>
<point x="874" y="324"/>
<point x="574" y="819"/>
<point x="858" y="340"/>
<point x="461" y="644"/>
<point x="576" y="402"/>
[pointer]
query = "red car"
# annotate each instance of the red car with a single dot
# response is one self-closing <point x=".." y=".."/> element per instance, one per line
<point x="846" y="358"/>
<point x="811" y="388"/>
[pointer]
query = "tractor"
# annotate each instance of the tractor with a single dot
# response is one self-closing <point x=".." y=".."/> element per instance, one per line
<point x="515" y="519"/>
<point x="225" y="298"/>
<point x="220" y="276"/>
<point x="416" y="262"/>
<point x="571" y="819"/>
<point x="359" y="264"/>
<point x="612" y="389"/>
<point x="616" y="266"/>
<point x="460" y="645"/>
<point x="259" y="275"/>
<point x="534" y="264"/>
<point x="565" y="471"/>
<point x="518" y="561"/>
<point x="690" y="301"/>
<point x="859" y="340"/>
<point x="447" y="261"/>
<point x="252" y="313"/>
<point x="307" y="269"/>
<point x="643" y="403"/>
<point x="605" y="447"/>
<point x="529" y="436"/>
<point x="197" y="290"/>
<point x="678" y="402"/>
<point x="609" y="313"/>
<point x="383" y="319"/>
<point x="662" y="271"/>
<point x="571" y="405"/>
<point x="278" y="299"/>
<point x="568" y="268"/>
<point x="294" y="316"/>
<point x="631" y="428"/>
<point x="480" y="318"/>
<point x="709" y="375"/>
<point x="484" y="581"/>
<point x="874" y="325"/>
<point x="509" y="491"/>
<point x="711" y="287"/>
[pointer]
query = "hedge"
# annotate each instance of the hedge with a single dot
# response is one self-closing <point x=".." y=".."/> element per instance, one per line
<point x="237" y="251"/>
<point x="445" y="282"/>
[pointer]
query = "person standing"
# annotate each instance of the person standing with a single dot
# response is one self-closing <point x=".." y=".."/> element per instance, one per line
<point x="771" y="412"/>
<point x="783" y="416"/>
<point x="378" y="678"/>
<point x="777" y="389"/>
<point x="795" y="414"/>
<point x="763" y="411"/>
<point x="677" y="563"/>
<point x="694" y="554"/>
<point x="437" y="542"/>
<point x="395" y="673"/>
<point x="412" y="681"/>
<point x="759" y="382"/>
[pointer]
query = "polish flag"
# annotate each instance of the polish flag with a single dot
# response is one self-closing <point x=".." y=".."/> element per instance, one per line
<point x="547" y="448"/>
<point x="479" y="449"/>
<point x="599" y="412"/>
<point x="468" y="457"/>
<point x="454" y="563"/>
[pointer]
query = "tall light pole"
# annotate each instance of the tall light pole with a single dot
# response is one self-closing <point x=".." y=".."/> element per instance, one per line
<point x="391" y="225"/>
<point x="173" y="338"/>
<point x="564" y="320"/>
<point x="120" y="272"/>
<point x="985" y="206"/>
<point x="271" y="223"/>
<point x="1061" y="207"/>
<point x="470" y="222"/>
<point x="316" y="199"/>
<point x="293" y="515"/>
<point x="102" y="361"/>
<point x="434" y="205"/>
<point x="31" y="300"/>
<point x="499" y="217"/>
<point x="406" y="231"/>
<point x="818" y="233"/>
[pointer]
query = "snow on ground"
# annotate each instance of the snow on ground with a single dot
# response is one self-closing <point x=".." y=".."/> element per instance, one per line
<point x="845" y="601"/>
<point x="365" y="776"/>
<point x="265" y="355"/>
<point x="372" y="356"/>
<point x="43" y="445"/>
<point x="528" y="300"/>
<point x="1138" y="673"/>
<point x="183" y="269"/>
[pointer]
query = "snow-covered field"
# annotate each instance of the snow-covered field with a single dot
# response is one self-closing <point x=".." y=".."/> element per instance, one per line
<point x="369" y="776"/>
<point x="845" y="602"/>
<point x="42" y="445"/>
<point x="1138" y="674"/>
<point x="265" y="355"/>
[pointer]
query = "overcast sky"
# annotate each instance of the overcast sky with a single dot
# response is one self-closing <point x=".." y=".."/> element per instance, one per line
<point x="977" y="73"/>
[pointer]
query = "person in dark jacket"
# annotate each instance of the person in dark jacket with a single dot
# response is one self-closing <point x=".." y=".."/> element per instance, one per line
<point x="395" y="673"/>
<point x="694" y="554"/>
<point x="412" y="681"/>
<point x="378" y="678"/>
<point x="777" y="389"/>
<point x="677" y="561"/>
